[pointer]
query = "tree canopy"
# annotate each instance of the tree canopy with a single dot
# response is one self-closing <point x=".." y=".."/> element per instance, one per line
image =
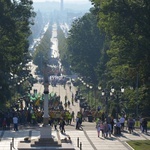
<point x="126" y="24"/>
<point x="111" y="47"/>
<point x="84" y="46"/>
<point x="16" y="16"/>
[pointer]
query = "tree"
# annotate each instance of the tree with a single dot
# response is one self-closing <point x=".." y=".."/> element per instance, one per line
<point x="84" y="46"/>
<point x="16" y="16"/>
<point x="62" y="46"/>
<point x="42" y="52"/>
<point x="126" y="24"/>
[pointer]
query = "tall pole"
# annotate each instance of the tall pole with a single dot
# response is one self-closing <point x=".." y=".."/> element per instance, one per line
<point x="61" y="6"/>
<point x="91" y="96"/>
<point x="106" y="107"/>
<point x="95" y="98"/>
<point x="46" y="92"/>
<point x="137" y="81"/>
<point x="117" y="107"/>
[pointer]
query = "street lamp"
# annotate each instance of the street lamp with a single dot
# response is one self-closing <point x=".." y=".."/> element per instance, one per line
<point x="99" y="87"/>
<point x="88" y="91"/>
<point x="121" y="89"/>
<point x="90" y="87"/>
<point x="10" y="94"/>
<point x="106" y="94"/>
<point x="117" y="97"/>
<point x="90" y="99"/>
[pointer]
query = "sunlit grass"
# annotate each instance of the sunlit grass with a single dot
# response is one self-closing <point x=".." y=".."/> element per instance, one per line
<point x="140" y="145"/>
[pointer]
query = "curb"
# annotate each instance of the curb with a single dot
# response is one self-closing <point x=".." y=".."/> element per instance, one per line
<point x="129" y="146"/>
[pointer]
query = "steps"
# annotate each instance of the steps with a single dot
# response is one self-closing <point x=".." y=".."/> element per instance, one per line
<point x="47" y="142"/>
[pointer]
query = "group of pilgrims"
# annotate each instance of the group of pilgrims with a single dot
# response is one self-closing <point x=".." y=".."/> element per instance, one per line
<point x="59" y="114"/>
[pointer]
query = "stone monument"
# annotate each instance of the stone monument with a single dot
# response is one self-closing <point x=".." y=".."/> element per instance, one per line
<point x="47" y="140"/>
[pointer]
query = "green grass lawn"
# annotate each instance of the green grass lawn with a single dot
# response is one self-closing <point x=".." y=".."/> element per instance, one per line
<point x="140" y="145"/>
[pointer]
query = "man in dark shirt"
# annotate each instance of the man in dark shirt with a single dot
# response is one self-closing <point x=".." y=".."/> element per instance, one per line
<point x="144" y="125"/>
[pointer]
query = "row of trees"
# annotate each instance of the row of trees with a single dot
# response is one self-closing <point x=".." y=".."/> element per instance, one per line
<point x="110" y="46"/>
<point x="16" y="19"/>
<point x="42" y="53"/>
<point x="62" y="46"/>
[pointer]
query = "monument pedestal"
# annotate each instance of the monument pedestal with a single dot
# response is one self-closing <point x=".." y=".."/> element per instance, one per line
<point x="46" y="141"/>
<point x="45" y="121"/>
<point x="46" y="138"/>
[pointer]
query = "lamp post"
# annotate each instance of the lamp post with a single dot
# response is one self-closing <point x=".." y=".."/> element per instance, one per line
<point x="117" y="98"/>
<point x="88" y="91"/>
<point x="90" y="99"/>
<point x="99" y="88"/>
<point x="10" y="95"/>
<point x="18" y="86"/>
<point x="137" y="84"/>
<point x="106" y="93"/>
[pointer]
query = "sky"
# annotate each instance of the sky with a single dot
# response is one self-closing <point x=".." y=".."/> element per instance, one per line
<point x="60" y="0"/>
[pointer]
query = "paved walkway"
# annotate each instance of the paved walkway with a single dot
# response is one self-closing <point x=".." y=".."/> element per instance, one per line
<point x="60" y="90"/>
<point x="88" y="139"/>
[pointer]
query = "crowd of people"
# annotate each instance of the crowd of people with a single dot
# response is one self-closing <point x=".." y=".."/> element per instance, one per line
<point x="111" y="126"/>
<point x="33" y="114"/>
<point x="60" y="115"/>
<point x="33" y="117"/>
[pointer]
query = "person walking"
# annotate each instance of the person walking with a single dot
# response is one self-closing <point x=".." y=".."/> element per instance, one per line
<point x="144" y="125"/>
<point x="122" y="121"/>
<point x="106" y="129"/>
<point x="62" y="126"/>
<point x="130" y="125"/>
<point x="65" y="105"/>
<point x="33" y="118"/>
<point x="109" y="131"/>
<point x="112" y="125"/>
<point x="98" y="121"/>
<point x="55" y="124"/>
<point x="65" y="98"/>
<point x="72" y="99"/>
<point x="102" y="128"/>
<point x="77" y="122"/>
<point x="69" y="118"/>
<point x="70" y="87"/>
<point x="98" y="129"/>
<point x="141" y="120"/>
<point x="72" y="116"/>
<point x="4" y="124"/>
<point x="68" y="104"/>
<point x="118" y="128"/>
<point x="8" y="121"/>
<point x="15" y="122"/>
